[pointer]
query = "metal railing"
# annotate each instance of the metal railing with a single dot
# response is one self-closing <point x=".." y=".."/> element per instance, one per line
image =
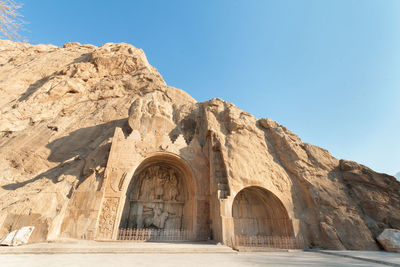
<point x="280" y="242"/>
<point x="148" y="234"/>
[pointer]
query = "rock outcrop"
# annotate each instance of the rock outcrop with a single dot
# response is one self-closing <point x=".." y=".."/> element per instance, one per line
<point x="59" y="111"/>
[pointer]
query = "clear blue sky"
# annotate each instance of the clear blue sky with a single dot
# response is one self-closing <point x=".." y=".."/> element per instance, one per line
<point x="327" y="70"/>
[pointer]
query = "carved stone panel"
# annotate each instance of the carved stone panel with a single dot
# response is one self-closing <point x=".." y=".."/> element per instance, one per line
<point x="107" y="218"/>
<point x="157" y="199"/>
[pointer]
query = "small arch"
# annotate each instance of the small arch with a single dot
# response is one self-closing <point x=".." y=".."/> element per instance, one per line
<point x="160" y="195"/>
<point x="257" y="211"/>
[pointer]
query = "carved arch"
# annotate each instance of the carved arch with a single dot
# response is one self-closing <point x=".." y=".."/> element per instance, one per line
<point x="161" y="194"/>
<point x="257" y="211"/>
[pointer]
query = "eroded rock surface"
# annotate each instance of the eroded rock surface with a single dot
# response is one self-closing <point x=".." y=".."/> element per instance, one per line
<point x="390" y="240"/>
<point x="59" y="111"/>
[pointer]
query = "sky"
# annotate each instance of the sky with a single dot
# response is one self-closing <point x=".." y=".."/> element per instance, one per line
<point x="327" y="70"/>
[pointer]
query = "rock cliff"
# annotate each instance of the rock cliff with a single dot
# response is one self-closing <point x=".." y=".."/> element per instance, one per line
<point x="59" y="107"/>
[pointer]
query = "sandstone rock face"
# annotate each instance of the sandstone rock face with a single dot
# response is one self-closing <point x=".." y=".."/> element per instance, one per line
<point x="390" y="240"/>
<point x="93" y="140"/>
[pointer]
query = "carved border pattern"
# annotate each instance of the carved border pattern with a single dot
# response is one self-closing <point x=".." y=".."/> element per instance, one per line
<point x="107" y="218"/>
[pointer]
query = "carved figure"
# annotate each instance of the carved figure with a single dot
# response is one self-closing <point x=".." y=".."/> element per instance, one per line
<point x="148" y="215"/>
<point x="173" y="186"/>
<point x="154" y="203"/>
<point x="159" y="217"/>
<point x="159" y="183"/>
<point x="146" y="191"/>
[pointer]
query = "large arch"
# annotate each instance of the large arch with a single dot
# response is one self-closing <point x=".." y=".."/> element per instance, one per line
<point x="258" y="212"/>
<point x="161" y="195"/>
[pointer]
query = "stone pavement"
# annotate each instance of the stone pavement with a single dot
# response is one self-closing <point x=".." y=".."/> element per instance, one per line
<point x="232" y="260"/>
<point x="117" y="247"/>
<point x="120" y="254"/>
<point x="382" y="257"/>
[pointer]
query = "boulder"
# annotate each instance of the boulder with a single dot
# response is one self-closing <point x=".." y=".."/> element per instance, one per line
<point x="390" y="240"/>
<point x="17" y="237"/>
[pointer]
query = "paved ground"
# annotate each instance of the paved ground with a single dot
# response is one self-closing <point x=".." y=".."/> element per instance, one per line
<point x="120" y="254"/>
<point x="192" y="260"/>
<point x="117" y="247"/>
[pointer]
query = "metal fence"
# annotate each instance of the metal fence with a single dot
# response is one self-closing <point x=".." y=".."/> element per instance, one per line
<point x="147" y="234"/>
<point x="280" y="242"/>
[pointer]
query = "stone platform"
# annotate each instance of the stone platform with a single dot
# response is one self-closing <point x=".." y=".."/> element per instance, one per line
<point x="84" y="253"/>
<point x="117" y="247"/>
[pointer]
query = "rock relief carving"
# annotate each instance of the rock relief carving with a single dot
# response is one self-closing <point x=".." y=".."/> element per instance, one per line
<point x="117" y="182"/>
<point x="158" y="200"/>
<point x="158" y="183"/>
<point x="107" y="217"/>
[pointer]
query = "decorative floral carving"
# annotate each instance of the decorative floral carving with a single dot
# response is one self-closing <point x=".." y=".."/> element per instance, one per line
<point x="107" y="217"/>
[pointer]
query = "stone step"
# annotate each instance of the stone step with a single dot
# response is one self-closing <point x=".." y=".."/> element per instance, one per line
<point x="261" y="249"/>
<point x="123" y="247"/>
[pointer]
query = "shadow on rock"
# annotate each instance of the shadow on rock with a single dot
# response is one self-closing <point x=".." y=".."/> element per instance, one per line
<point x="34" y="87"/>
<point x="75" y="151"/>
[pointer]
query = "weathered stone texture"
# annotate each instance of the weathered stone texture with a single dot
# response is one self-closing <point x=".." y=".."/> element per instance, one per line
<point x="390" y="240"/>
<point x="17" y="237"/>
<point x="79" y="123"/>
